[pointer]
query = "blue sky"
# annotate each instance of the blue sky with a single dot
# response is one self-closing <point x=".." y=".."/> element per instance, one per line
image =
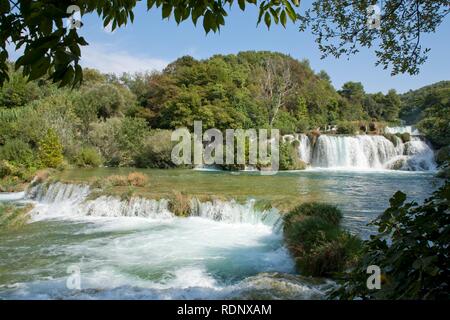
<point x="151" y="43"/>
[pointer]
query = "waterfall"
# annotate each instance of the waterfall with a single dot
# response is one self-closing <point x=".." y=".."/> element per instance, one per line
<point x="403" y="129"/>
<point x="360" y="151"/>
<point x="367" y="152"/>
<point x="233" y="212"/>
<point x="304" y="148"/>
<point x="66" y="201"/>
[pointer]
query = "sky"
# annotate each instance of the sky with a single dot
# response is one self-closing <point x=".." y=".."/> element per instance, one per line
<point x="150" y="43"/>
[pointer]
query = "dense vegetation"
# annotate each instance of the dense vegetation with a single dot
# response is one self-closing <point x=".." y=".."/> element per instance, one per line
<point x="429" y="107"/>
<point x="124" y="120"/>
<point x="318" y="243"/>
<point x="411" y="250"/>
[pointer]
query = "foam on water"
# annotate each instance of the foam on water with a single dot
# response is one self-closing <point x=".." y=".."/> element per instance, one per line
<point x="138" y="249"/>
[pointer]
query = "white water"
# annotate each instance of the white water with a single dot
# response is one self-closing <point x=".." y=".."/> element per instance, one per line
<point x="304" y="148"/>
<point x="138" y="249"/>
<point x="366" y="152"/>
<point x="403" y="129"/>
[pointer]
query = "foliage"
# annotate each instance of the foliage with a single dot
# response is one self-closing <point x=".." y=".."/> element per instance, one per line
<point x="50" y="150"/>
<point x="340" y="28"/>
<point x="289" y="157"/>
<point x="17" y="153"/>
<point x="137" y="179"/>
<point x="436" y="122"/>
<point x="319" y="245"/>
<point x="411" y="249"/>
<point x="134" y="179"/>
<point x="40" y="27"/>
<point x="347" y="127"/>
<point x="156" y="151"/>
<point x="88" y="157"/>
<point x="180" y="204"/>
<point x="443" y="155"/>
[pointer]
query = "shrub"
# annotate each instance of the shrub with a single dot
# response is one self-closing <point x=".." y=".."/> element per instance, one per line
<point x="88" y="157"/>
<point x="103" y="136"/>
<point x="6" y="169"/>
<point x="411" y="249"/>
<point x="180" y="204"/>
<point x="117" y="181"/>
<point x="406" y="137"/>
<point x="347" y="128"/>
<point x="289" y="158"/>
<point x="443" y="155"/>
<point x="156" y="152"/>
<point x="50" y="150"/>
<point x="137" y="179"/>
<point x="326" y="212"/>
<point x="314" y="237"/>
<point x="392" y="138"/>
<point x="17" y="152"/>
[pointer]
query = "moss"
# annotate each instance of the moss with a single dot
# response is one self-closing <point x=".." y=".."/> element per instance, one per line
<point x="316" y="240"/>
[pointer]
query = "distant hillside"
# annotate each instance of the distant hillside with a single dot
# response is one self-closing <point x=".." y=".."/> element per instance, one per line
<point x="414" y="102"/>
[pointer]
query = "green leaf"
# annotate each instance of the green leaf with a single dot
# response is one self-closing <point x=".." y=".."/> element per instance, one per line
<point x="208" y="21"/>
<point x="241" y="4"/>
<point x="166" y="10"/>
<point x="283" y="18"/>
<point x="267" y="19"/>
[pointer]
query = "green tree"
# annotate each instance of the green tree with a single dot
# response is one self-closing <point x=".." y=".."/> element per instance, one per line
<point x="50" y="150"/>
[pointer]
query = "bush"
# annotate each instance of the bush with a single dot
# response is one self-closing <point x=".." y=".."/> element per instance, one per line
<point x="180" y="204"/>
<point x="289" y="158"/>
<point x="330" y="214"/>
<point x="347" y="128"/>
<point x="88" y="157"/>
<point x="156" y="152"/>
<point x="50" y="150"/>
<point x="18" y="153"/>
<point x="6" y="169"/>
<point x="103" y="136"/>
<point x="117" y="181"/>
<point x="406" y="137"/>
<point x="411" y="249"/>
<point x="137" y="179"/>
<point x="319" y="245"/>
<point x="392" y="138"/>
<point x="443" y="155"/>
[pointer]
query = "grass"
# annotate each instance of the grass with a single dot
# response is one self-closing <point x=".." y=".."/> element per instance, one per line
<point x="12" y="217"/>
<point x="180" y="204"/>
<point x="319" y="245"/>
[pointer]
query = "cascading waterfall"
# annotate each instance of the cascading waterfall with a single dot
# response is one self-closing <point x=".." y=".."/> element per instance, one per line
<point x="60" y="200"/>
<point x="304" y="148"/>
<point x="137" y="248"/>
<point x="366" y="152"/>
<point x="353" y="151"/>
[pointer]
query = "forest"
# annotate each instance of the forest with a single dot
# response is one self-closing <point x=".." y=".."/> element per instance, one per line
<point x="124" y="120"/>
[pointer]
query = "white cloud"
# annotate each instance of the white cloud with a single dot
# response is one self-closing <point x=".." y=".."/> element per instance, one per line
<point x="109" y="60"/>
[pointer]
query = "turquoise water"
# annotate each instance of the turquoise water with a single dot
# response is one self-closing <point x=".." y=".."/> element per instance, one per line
<point x="165" y="257"/>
